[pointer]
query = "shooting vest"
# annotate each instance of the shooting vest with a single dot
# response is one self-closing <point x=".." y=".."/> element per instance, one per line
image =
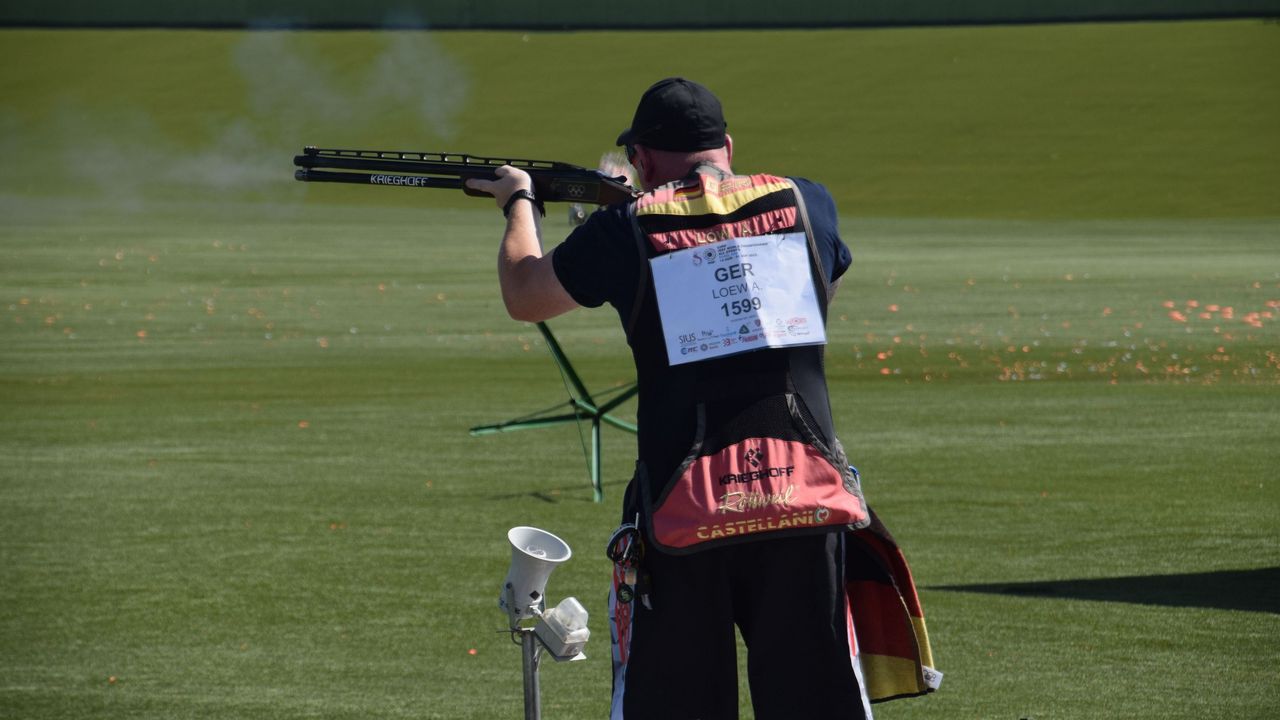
<point x="737" y="440"/>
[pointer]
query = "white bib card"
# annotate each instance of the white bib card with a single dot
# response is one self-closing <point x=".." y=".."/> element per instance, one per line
<point x="737" y="295"/>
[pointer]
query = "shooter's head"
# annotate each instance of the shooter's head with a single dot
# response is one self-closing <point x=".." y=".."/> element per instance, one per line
<point x="677" y="115"/>
<point x="677" y="124"/>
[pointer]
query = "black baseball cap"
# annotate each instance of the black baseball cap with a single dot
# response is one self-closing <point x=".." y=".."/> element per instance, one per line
<point x="677" y="114"/>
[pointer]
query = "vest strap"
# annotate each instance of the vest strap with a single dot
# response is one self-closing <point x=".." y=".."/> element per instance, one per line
<point x="642" y="255"/>
<point x="820" y="278"/>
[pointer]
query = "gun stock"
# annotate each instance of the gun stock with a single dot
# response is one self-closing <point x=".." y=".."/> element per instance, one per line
<point x="552" y="181"/>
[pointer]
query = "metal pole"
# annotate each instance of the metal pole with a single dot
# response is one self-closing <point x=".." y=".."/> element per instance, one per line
<point x="532" y="694"/>
<point x="596" y="488"/>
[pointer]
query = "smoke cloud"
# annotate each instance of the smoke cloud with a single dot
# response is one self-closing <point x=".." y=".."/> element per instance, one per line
<point x="298" y="88"/>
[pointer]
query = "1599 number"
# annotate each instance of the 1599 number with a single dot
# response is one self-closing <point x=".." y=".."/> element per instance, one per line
<point x="740" y="307"/>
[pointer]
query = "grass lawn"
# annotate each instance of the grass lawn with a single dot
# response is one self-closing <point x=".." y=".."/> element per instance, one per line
<point x="235" y="477"/>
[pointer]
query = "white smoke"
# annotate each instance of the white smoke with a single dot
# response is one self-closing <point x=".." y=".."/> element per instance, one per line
<point x="295" y="92"/>
<point x="413" y="71"/>
<point x="118" y="151"/>
<point x="286" y="86"/>
<point x="292" y="90"/>
<point x="614" y="163"/>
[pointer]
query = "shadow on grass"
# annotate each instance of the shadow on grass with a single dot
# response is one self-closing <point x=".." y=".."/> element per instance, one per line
<point x="1250" y="590"/>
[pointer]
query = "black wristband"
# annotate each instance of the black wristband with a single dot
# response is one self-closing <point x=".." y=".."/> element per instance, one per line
<point x="523" y="195"/>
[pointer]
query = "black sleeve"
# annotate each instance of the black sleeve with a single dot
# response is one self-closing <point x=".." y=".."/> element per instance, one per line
<point x="597" y="263"/>
<point x="826" y="227"/>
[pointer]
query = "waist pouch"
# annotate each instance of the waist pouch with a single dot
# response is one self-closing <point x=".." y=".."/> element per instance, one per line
<point x="763" y="472"/>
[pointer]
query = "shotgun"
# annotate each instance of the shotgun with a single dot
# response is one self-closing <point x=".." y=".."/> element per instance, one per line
<point x="552" y="181"/>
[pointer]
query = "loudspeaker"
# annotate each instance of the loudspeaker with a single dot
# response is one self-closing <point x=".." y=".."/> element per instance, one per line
<point x="534" y="554"/>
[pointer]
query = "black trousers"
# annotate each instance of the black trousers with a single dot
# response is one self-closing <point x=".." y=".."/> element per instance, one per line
<point x="787" y="598"/>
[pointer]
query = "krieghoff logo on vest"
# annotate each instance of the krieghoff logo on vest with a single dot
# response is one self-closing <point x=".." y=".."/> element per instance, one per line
<point x="754" y="457"/>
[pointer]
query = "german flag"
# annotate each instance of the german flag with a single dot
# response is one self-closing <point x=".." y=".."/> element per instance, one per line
<point x="708" y="209"/>
<point x="893" y="642"/>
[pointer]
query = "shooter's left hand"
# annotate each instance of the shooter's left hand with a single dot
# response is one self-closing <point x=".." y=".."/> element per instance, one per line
<point x="510" y="179"/>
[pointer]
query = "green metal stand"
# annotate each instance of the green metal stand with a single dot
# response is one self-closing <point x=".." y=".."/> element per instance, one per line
<point x="584" y="406"/>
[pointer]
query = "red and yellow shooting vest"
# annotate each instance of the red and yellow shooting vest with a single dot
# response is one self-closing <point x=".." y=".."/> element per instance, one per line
<point x="763" y="458"/>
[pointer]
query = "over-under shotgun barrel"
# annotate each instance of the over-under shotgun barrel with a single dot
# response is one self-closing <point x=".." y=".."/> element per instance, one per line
<point x="552" y="181"/>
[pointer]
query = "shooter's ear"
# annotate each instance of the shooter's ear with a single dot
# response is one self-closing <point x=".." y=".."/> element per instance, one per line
<point x="728" y="148"/>
<point x="644" y="168"/>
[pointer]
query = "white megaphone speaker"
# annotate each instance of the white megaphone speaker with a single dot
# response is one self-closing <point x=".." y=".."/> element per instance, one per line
<point x="534" y="554"/>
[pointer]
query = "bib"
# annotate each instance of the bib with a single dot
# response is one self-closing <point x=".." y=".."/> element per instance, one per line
<point x="737" y="295"/>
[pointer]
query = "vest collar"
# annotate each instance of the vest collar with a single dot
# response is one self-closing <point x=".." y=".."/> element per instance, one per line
<point x="708" y="168"/>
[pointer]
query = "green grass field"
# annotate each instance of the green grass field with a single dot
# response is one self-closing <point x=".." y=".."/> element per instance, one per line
<point x="235" y="477"/>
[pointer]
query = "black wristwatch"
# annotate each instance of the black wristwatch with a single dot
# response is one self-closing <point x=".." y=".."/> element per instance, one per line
<point x="523" y="195"/>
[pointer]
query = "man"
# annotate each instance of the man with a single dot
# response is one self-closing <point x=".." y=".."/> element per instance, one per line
<point x="742" y="498"/>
